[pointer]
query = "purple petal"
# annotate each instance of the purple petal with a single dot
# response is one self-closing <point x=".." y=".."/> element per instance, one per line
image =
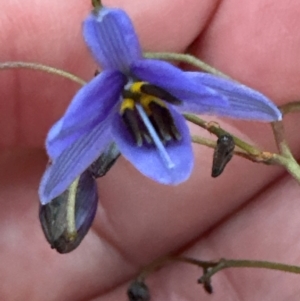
<point x="111" y="38"/>
<point x="147" y="158"/>
<point x="74" y="160"/>
<point x="90" y="106"/>
<point x="86" y="203"/>
<point x="176" y="82"/>
<point x="244" y="102"/>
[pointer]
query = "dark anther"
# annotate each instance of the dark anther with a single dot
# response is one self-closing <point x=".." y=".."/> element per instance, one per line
<point x="163" y="122"/>
<point x="138" y="291"/>
<point x="132" y="122"/>
<point x="104" y="163"/>
<point x="222" y="154"/>
<point x="160" y="93"/>
<point x="56" y="220"/>
<point x="132" y="95"/>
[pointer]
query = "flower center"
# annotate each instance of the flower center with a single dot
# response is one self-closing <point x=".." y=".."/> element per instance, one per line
<point x="146" y="114"/>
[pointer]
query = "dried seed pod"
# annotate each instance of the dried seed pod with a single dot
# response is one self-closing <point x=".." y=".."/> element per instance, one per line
<point x="67" y="219"/>
<point x="222" y="154"/>
<point x="104" y="163"/>
<point x="138" y="291"/>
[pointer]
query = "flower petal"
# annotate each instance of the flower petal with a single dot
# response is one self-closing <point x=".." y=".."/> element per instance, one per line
<point x="176" y="82"/>
<point x="244" y="102"/>
<point x="111" y="38"/>
<point x="147" y="158"/>
<point x="74" y="160"/>
<point x="91" y="105"/>
<point x="86" y="204"/>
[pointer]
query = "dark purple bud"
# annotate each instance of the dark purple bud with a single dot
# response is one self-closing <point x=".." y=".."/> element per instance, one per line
<point x="222" y="154"/>
<point x="67" y="219"/>
<point x="138" y="291"/>
<point x="104" y="163"/>
<point x="208" y="287"/>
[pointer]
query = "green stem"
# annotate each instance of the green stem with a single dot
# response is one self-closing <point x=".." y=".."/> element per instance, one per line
<point x="97" y="4"/>
<point x="184" y="58"/>
<point x="264" y="157"/>
<point x="217" y="130"/>
<point x="286" y="159"/>
<point x="228" y="263"/>
<point x="44" y="68"/>
<point x="210" y="268"/>
<point x="290" y="107"/>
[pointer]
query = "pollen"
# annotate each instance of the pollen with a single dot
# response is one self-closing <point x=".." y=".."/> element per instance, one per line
<point x="127" y="103"/>
<point x="136" y="87"/>
<point x="147" y="100"/>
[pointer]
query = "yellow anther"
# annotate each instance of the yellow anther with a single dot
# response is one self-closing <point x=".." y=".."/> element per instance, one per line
<point x="147" y="99"/>
<point x="136" y="87"/>
<point x="127" y="103"/>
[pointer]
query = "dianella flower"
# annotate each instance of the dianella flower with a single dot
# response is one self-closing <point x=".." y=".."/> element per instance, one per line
<point x="136" y="103"/>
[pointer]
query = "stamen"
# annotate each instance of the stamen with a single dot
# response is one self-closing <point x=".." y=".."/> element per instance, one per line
<point x="131" y="121"/>
<point x="161" y="149"/>
<point x="127" y="103"/>
<point x="147" y="137"/>
<point x="165" y="122"/>
<point x="160" y="126"/>
<point x="159" y="93"/>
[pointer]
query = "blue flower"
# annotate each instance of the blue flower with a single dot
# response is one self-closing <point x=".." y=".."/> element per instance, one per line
<point x="137" y="104"/>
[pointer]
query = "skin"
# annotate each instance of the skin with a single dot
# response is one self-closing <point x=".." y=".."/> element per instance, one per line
<point x="251" y="211"/>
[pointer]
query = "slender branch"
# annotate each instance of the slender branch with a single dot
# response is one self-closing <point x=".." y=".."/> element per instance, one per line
<point x="44" y="68"/>
<point x="210" y="268"/>
<point x="278" y="131"/>
<point x="264" y="157"/>
<point x="286" y="159"/>
<point x="185" y="58"/>
<point x="214" y="128"/>
<point x="97" y="3"/>
<point x="229" y="263"/>
<point x="290" y="107"/>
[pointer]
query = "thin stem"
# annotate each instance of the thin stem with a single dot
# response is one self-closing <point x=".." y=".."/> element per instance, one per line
<point x="287" y="159"/>
<point x="214" y="128"/>
<point x="185" y="58"/>
<point x="44" y="68"/>
<point x="210" y="268"/>
<point x="264" y="157"/>
<point x="229" y="263"/>
<point x="278" y="131"/>
<point x="97" y="3"/>
<point x="290" y="107"/>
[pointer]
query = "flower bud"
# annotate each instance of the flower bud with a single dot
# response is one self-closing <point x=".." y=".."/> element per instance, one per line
<point x="67" y="218"/>
<point x="104" y="163"/>
<point x="222" y="154"/>
<point x="138" y="291"/>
